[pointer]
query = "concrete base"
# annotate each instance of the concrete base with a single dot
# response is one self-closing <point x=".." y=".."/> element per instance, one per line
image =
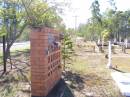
<point x="123" y="82"/>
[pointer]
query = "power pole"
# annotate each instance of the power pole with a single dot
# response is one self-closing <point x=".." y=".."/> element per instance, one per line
<point x="75" y="28"/>
<point x="75" y="22"/>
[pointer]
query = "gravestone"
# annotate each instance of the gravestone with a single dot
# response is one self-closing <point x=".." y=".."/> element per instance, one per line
<point x="126" y="43"/>
<point x="45" y="60"/>
<point x="109" y="64"/>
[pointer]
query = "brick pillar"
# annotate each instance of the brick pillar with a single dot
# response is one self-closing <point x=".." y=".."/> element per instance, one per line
<point x="45" y="61"/>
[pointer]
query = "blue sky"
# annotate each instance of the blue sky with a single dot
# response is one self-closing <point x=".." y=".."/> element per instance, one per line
<point x="81" y="9"/>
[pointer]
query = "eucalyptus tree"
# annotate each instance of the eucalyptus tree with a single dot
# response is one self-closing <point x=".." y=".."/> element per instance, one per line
<point x="12" y="25"/>
<point x="96" y="19"/>
<point x="17" y="15"/>
<point x="117" y="23"/>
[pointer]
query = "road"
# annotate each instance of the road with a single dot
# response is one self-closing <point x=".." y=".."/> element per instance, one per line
<point x="17" y="46"/>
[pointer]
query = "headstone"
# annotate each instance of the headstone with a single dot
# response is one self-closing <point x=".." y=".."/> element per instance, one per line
<point x="109" y="65"/>
<point x="98" y="41"/>
<point x="126" y="43"/>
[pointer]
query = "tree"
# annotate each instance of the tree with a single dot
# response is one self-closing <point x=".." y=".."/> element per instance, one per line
<point x="117" y="23"/>
<point x="17" y="15"/>
<point x="95" y="10"/>
<point x="105" y="35"/>
<point x="67" y="48"/>
<point x="43" y="14"/>
<point x="113" y="5"/>
<point x="96" y="17"/>
<point x="13" y="24"/>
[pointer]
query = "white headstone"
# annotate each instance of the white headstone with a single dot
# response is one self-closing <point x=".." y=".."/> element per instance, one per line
<point x="115" y="40"/>
<point x="126" y="43"/>
<point x="109" y="65"/>
<point x="98" y="41"/>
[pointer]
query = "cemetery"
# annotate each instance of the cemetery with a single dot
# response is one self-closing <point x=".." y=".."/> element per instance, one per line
<point x="40" y="56"/>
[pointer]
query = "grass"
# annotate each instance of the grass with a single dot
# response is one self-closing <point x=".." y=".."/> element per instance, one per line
<point x="0" y="57"/>
<point x="87" y="74"/>
<point x="78" y="66"/>
<point x="16" y="82"/>
<point x="10" y="87"/>
<point x="15" y="52"/>
<point x="91" y="68"/>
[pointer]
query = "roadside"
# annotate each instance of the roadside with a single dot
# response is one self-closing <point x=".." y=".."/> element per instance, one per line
<point x="17" y="46"/>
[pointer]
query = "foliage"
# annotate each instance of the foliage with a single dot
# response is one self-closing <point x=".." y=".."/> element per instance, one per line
<point x="90" y="31"/>
<point x="117" y="23"/>
<point x="105" y="35"/>
<point x="67" y="48"/>
<point x="95" y="9"/>
<point x="16" y="15"/>
<point x="2" y="31"/>
<point x="24" y="36"/>
<point x="40" y="14"/>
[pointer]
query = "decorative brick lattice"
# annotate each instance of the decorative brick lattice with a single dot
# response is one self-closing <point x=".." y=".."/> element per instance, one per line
<point x="45" y="60"/>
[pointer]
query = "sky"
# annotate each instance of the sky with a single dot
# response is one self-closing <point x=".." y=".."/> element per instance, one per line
<point x="81" y="9"/>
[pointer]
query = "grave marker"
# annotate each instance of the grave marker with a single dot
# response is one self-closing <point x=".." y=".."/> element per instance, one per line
<point x="109" y="65"/>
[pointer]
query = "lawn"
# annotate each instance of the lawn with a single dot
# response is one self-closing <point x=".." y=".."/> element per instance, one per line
<point x="89" y="75"/>
<point x="86" y="76"/>
<point x="16" y="82"/>
<point x="14" y="51"/>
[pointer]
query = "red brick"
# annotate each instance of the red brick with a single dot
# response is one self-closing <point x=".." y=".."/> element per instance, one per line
<point x="41" y="67"/>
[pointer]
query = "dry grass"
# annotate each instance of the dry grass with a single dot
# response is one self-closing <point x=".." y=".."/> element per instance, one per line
<point x="0" y="57"/>
<point x="16" y="82"/>
<point x="87" y="76"/>
<point x="123" y="64"/>
<point x="97" y="81"/>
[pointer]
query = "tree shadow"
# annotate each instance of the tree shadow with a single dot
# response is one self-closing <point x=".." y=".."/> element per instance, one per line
<point x="20" y="67"/>
<point x="74" y="80"/>
<point x="18" y="76"/>
<point x="115" y="69"/>
<point x="18" y="53"/>
<point x="61" y="90"/>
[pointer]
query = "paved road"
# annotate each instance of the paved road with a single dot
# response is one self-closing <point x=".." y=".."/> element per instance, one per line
<point x="18" y="45"/>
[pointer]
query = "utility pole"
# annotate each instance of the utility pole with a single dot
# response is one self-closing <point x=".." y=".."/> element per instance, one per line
<point x="75" y="22"/>
<point x="75" y="18"/>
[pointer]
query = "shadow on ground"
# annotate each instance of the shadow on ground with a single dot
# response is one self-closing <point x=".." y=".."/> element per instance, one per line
<point x="16" y="81"/>
<point x="115" y="69"/>
<point x="61" y="90"/>
<point x="74" y="80"/>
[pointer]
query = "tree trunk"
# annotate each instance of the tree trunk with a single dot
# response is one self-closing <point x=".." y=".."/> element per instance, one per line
<point x="64" y="60"/>
<point x="4" y="53"/>
<point x="124" y="49"/>
<point x="10" y="60"/>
